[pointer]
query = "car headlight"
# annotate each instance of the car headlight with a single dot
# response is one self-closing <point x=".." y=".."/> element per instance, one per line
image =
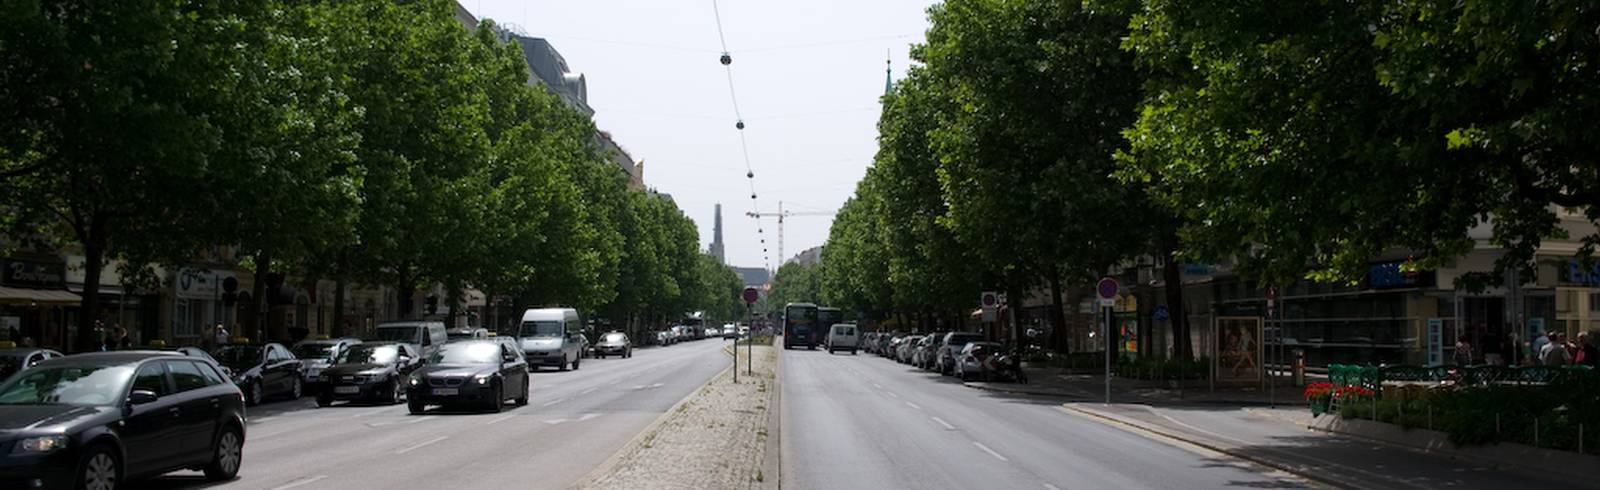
<point x="43" y="444"/>
<point x="483" y="380"/>
<point x="415" y="381"/>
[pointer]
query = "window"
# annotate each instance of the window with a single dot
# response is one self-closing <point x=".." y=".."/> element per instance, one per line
<point x="212" y="376"/>
<point x="183" y="318"/>
<point x="186" y="376"/>
<point x="153" y="378"/>
<point x="1594" y="301"/>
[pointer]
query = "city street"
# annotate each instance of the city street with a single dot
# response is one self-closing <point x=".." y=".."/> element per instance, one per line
<point x="574" y="421"/>
<point x="863" y="421"/>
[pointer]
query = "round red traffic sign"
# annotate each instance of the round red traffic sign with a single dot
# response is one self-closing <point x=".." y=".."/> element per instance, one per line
<point x="1107" y="289"/>
<point x="751" y="295"/>
<point x="990" y="299"/>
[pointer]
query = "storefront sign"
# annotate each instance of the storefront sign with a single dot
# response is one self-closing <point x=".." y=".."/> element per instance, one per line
<point x="1576" y="273"/>
<point x="34" y="274"/>
<point x="199" y="284"/>
<point x="1435" y="341"/>
<point x="1389" y="275"/>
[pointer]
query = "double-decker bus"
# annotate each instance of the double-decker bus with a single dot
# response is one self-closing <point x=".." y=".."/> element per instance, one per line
<point x="800" y="327"/>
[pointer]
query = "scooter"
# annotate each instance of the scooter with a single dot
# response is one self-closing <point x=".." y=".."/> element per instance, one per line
<point x="1008" y="364"/>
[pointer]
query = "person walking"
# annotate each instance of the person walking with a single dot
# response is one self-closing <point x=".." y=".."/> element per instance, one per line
<point x="221" y="335"/>
<point x="123" y="342"/>
<point x="1588" y="354"/>
<point x="1463" y="355"/>
<point x="1554" y="353"/>
<point x="1537" y="347"/>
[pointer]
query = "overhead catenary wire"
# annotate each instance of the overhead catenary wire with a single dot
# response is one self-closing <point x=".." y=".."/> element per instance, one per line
<point x="739" y="125"/>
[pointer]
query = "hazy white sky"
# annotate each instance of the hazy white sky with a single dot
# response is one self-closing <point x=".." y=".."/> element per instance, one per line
<point x="808" y="75"/>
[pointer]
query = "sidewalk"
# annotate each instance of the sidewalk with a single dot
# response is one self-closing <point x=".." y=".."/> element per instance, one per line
<point x="1091" y="387"/>
<point x="1281" y="439"/>
<point x="715" y="438"/>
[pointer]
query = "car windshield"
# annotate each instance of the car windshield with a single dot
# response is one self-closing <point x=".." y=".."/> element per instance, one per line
<point x="540" y="329"/>
<point x="615" y="337"/>
<point x="67" y="385"/>
<point x="239" y="355"/>
<point x="467" y="353"/>
<point x="314" y="351"/>
<point x="399" y="334"/>
<point x="369" y="354"/>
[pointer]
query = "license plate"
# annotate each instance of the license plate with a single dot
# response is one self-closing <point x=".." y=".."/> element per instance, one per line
<point x="347" y="390"/>
<point x="446" y="391"/>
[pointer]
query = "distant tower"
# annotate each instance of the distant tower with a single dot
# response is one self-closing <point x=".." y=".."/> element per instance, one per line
<point x="888" y="73"/>
<point x="716" y="238"/>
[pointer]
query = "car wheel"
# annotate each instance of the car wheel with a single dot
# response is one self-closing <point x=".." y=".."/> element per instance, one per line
<point x="416" y="407"/>
<point x="523" y="400"/>
<point x="575" y="364"/>
<point x="227" y="456"/>
<point x="252" y="395"/>
<point x="564" y="364"/>
<point x="324" y="400"/>
<point x="99" y="469"/>
<point x="498" y="403"/>
<point x="297" y="390"/>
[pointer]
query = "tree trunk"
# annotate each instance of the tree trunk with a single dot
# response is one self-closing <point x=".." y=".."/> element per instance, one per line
<point x="1177" y="318"/>
<point x="1058" y="316"/>
<point x="404" y="290"/>
<point x="93" y="265"/>
<point x="257" y="315"/>
<point x="338" y="305"/>
<point x="1015" y="297"/>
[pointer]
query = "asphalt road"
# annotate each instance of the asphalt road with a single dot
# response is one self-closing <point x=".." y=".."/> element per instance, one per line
<point x="573" y="422"/>
<point x="865" y="421"/>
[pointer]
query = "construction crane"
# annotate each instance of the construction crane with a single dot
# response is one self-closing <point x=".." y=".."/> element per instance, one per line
<point x="781" y="214"/>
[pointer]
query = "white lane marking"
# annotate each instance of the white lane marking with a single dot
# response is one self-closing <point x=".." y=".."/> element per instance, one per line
<point x="404" y="422"/>
<point x="637" y="387"/>
<point x="554" y="421"/>
<point x="588" y="391"/>
<point x="946" y="425"/>
<point x="615" y="381"/>
<point x="302" y="481"/>
<point x="260" y="420"/>
<point x="891" y="393"/>
<point x="990" y="451"/>
<point x="878" y="386"/>
<point x="913" y="405"/>
<point x="553" y="402"/>
<point x="657" y="385"/>
<point x="588" y="416"/>
<point x="419" y="445"/>
<point x="1048" y="486"/>
<point x="502" y="419"/>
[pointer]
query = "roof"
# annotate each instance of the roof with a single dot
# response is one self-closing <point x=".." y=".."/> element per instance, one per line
<point x="548" y="314"/>
<point x="112" y="358"/>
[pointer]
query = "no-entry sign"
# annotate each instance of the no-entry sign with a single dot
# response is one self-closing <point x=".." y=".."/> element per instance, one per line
<point x="751" y="295"/>
<point x="1107" y="291"/>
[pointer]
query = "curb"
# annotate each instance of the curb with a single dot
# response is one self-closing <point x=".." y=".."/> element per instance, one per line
<point x="588" y="480"/>
<point x="1117" y="420"/>
<point x="1022" y="392"/>
<point x="1503" y="455"/>
<point x="772" y="454"/>
<point x="1094" y="397"/>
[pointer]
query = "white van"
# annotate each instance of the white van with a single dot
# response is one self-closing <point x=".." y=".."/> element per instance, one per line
<point x="843" y="336"/>
<point x="551" y="337"/>
<point x="426" y="335"/>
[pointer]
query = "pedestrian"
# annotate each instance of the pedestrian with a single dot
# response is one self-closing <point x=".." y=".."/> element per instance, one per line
<point x="1463" y="355"/>
<point x="1588" y="354"/>
<point x="123" y="342"/>
<point x="1554" y="353"/>
<point x="1537" y="348"/>
<point x="221" y="335"/>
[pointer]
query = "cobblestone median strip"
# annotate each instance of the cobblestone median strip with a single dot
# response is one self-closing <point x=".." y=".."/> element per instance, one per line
<point x="715" y="438"/>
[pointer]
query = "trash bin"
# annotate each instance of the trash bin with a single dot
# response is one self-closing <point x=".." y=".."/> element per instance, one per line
<point x="1299" y="367"/>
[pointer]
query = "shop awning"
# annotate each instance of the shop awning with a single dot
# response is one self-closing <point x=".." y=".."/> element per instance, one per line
<point x="38" y="296"/>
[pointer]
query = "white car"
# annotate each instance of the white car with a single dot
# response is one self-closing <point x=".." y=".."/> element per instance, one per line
<point x="843" y="336"/>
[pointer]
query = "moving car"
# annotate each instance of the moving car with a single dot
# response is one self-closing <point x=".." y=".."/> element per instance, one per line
<point x="99" y="419"/>
<point x="472" y="372"/>
<point x="426" y="335"/>
<point x="615" y="344"/>
<point x="263" y="371"/>
<point x="730" y="331"/>
<point x="551" y="337"/>
<point x="316" y="355"/>
<point x="970" y="363"/>
<point x="944" y="360"/>
<point x="373" y="371"/>
<point x="13" y="361"/>
<point x="841" y="337"/>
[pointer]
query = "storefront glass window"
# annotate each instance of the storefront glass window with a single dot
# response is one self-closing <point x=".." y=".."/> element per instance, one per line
<point x="182" y="319"/>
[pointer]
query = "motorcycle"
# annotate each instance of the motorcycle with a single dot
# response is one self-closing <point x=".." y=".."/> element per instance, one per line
<point x="1008" y="365"/>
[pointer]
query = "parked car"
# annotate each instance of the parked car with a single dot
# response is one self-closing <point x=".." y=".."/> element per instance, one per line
<point x="903" y="352"/>
<point x="466" y="333"/>
<point x="13" y="361"/>
<point x="263" y="371"/>
<point x="316" y="355"/>
<point x="842" y="336"/>
<point x="922" y="354"/>
<point x="426" y="335"/>
<point x="474" y="372"/>
<point x="551" y="337"/>
<point x="887" y="344"/>
<point x="730" y="331"/>
<point x="371" y="371"/>
<point x="949" y="346"/>
<point x="971" y="361"/>
<point x="663" y="338"/>
<point x="613" y="344"/>
<point x="868" y="341"/>
<point x="99" y="419"/>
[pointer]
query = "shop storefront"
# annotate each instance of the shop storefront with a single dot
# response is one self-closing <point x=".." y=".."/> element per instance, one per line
<point x="196" y="301"/>
<point x="34" y="302"/>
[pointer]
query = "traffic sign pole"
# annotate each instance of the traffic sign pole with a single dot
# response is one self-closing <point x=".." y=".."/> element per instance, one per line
<point x="1107" y="291"/>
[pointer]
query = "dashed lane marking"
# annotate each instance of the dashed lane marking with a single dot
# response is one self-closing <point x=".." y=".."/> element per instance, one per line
<point x="302" y="481"/>
<point x="553" y="402"/>
<point x="588" y="391"/>
<point x="502" y="419"/>
<point x="913" y="405"/>
<point x="946" y="425"/>
<point x="419" y="445"/>
<point x="1048" y="486"/>
<point x="990" y="451"/>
